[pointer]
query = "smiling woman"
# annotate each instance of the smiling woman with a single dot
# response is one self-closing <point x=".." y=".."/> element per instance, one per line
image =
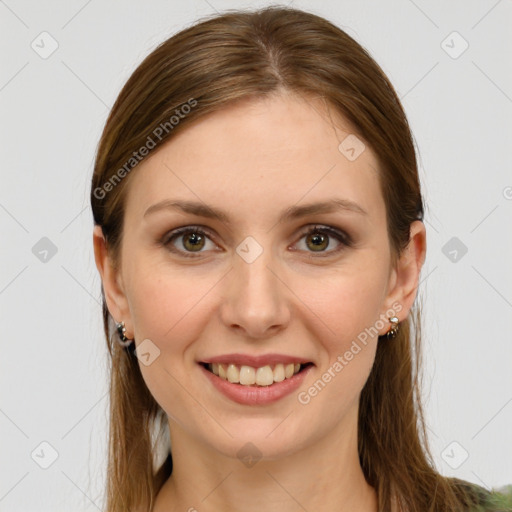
<point x="268" y="248"/>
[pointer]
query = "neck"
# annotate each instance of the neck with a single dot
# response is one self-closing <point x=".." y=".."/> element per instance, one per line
<point x="324" y="476"/>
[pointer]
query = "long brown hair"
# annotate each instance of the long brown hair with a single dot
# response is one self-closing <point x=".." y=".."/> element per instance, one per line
<point x="221" y="59"/>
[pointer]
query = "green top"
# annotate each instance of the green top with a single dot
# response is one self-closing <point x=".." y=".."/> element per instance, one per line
<point x="496" y="500"/>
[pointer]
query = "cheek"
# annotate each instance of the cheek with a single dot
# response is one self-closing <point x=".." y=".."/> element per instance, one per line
<point x="347" y="341"/>
<point x="169" y="310"/>
<point x="347" y="302"/>
<point x="345" y="318"/>
<point x="168" y="304"/>
<point x="171" y="305"/>
<point x="176" y="304"/>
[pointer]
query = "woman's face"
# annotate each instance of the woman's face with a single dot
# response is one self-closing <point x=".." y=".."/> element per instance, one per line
<point x="252" y="281"/>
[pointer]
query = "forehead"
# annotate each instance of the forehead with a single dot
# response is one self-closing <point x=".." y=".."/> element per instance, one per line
<point x="257" y="154"/>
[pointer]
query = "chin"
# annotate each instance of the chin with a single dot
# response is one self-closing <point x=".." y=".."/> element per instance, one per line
<point x="267" y="440"/>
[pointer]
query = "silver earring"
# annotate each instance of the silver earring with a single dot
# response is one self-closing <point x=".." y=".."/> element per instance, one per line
<point x="121" y="335"/>
<point x="394" y="327"/>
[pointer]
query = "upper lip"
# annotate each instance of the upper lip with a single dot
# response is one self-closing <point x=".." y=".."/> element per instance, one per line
<point x="256" y="361"/>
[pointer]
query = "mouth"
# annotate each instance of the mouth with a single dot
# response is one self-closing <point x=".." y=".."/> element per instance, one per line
<point x="259" y="377"/>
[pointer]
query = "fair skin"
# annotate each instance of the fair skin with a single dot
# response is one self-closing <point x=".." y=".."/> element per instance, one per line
<point x="253" y="160"/>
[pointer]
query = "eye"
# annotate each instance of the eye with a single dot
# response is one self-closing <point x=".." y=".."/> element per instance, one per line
<point x="188" y="240"/>
<point x="319" y="238"/>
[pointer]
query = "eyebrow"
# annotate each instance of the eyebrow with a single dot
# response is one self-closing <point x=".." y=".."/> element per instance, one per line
<point x="291" y="213"/>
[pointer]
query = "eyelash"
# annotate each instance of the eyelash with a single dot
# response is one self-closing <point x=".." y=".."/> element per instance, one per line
<point x="343" y="238"/>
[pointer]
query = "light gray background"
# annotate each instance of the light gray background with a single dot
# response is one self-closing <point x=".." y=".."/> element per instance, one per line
<point x="52" y="111"/>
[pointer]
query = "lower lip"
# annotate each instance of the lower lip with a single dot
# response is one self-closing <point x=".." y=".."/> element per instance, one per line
<point x="256" y="395"/>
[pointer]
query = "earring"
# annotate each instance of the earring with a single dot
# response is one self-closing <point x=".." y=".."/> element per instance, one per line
<point x="394" y="327"/>
<point x="121" y="335"/>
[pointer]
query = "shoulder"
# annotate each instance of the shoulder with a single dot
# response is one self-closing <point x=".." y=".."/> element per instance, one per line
<point x="501" y="499"/>
<point x="495" y="500"/>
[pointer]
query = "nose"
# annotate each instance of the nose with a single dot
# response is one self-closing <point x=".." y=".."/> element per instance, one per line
<point x="256" y="297"/>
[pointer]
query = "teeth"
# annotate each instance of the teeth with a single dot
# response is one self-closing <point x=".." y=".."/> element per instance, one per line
<point x="264" y="376"/>
<point x="248" y="376"/>
<point x="279" y="373"/>
<point x="232" y="373"/>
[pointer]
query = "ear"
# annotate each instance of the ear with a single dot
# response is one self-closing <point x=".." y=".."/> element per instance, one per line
<point x="115" y="297"/>
<point x="404" y="278"/>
